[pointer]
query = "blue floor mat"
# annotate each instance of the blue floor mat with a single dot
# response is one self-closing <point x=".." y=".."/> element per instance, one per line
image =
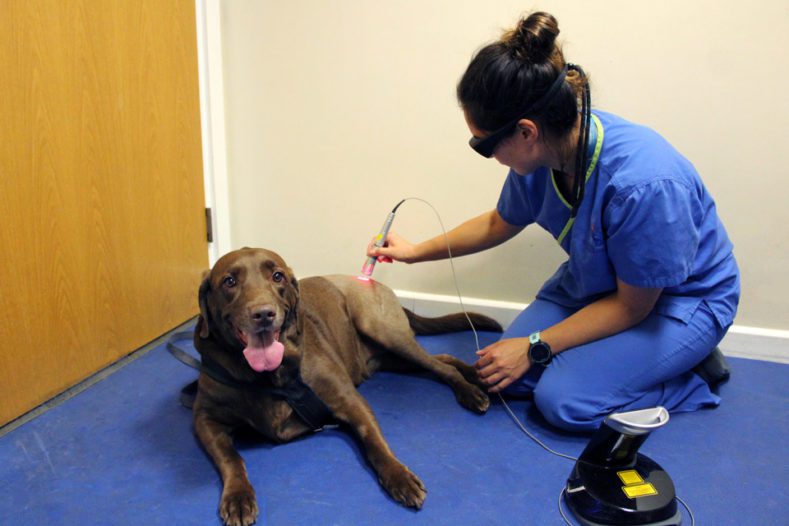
<point x="123" y="453"/>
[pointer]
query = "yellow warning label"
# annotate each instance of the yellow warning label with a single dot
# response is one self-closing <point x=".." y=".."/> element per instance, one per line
<point x="634" y="485"/>
<point x="630" y="477"/>
<point x="639" y="490"/>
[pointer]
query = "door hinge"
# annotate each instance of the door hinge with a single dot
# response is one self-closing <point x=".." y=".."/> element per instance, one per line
<point x="209" y="225"/>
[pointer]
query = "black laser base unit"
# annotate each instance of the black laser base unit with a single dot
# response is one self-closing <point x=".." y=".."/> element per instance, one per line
<point x="613" y="484"/>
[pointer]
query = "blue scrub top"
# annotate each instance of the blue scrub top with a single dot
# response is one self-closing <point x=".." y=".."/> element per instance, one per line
<point x="646" y="218"/>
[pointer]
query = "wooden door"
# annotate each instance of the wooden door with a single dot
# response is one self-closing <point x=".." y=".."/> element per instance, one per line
<point x="101" y="192"/>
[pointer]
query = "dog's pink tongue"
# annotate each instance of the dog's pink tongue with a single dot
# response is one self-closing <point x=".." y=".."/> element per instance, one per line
<point x="262" y="356"/>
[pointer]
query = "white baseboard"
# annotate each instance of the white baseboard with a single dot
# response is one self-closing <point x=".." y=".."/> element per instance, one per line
<point x="741" y="341"/>
<point x="756" y="343"/>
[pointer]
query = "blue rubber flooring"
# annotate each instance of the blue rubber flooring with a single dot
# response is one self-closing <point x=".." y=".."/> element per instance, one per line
<point x="123" y="453"/>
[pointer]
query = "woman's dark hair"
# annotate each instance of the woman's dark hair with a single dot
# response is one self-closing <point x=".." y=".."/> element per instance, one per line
<point x="506" y="77"/>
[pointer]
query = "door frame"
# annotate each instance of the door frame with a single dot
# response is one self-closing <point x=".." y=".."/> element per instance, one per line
<point x="212" y="118"/>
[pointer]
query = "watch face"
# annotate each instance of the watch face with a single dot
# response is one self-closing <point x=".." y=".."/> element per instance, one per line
<point x="539" y="353"/>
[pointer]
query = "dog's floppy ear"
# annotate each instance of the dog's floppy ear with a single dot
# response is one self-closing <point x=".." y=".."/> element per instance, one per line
<point x="202" y="298"/>
<point x="292" y="297"/>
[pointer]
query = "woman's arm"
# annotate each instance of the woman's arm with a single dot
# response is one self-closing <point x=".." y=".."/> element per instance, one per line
<point x="480" y="233"/>
<point x="507" y="360"/>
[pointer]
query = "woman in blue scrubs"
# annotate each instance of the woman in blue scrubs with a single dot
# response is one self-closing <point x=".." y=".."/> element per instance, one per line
<point x="650" y="285"/>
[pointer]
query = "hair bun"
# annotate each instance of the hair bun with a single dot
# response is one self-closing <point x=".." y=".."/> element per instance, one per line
<point x="534" y="39"/>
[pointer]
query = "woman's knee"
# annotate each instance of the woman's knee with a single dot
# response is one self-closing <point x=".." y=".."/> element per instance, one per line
<point x="566" y="409"/>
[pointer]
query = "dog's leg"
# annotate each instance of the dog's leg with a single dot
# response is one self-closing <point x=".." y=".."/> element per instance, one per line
<point x="468" y="371"/>
<point x="466" y="392"/>
<point x="238" y="505"/>
<point x="395" y="336"/>
<point x="337" y="391"/>
<point x="394" y="363"/>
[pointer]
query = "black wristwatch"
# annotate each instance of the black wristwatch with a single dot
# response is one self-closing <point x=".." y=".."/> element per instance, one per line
<point x="539" y="351"/>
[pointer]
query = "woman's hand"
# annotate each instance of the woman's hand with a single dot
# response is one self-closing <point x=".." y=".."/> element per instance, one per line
<point x="395" y="248"/>
<point x="503" y="362"/>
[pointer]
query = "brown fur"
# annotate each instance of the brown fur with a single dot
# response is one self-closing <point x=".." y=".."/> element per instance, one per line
<point x="337" y="332"/>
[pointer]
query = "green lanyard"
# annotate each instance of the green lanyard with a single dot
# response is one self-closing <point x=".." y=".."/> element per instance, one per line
<point x="592" y="164"/>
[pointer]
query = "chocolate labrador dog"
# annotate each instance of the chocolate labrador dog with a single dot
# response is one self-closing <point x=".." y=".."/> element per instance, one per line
<point x="282" y="356"/>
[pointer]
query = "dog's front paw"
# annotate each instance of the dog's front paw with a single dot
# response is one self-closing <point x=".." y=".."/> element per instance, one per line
<point x="403" y="486"/>
<point x="238" y="506"/>
<point x="473" y="398"/>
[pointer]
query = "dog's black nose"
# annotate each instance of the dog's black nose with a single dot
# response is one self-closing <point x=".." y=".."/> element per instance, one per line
<point x="264" y="314"/>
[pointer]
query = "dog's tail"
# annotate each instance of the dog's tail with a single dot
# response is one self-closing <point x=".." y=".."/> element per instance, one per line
<point x="451" y="323"/>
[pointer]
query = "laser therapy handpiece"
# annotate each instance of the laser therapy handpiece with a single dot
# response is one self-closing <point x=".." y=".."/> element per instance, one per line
<point x="380" y="239"/>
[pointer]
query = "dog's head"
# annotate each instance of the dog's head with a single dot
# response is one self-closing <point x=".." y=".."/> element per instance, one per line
<point x="248" y="302"/>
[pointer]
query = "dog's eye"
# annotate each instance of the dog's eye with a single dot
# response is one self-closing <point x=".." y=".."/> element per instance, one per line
<point x="278" y="276"/>
<point x="229" y="282"/>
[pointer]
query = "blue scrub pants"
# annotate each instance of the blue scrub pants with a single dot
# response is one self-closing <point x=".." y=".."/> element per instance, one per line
<point x="645" y="366"/>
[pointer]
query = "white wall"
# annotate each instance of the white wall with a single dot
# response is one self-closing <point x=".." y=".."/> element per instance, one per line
<point x="336" y="110"/>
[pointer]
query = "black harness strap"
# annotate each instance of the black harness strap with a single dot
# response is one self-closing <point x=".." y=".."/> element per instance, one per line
<point x="299" y="396"/>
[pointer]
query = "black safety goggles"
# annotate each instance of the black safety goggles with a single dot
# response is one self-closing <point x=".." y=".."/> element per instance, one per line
<point x="486" y="146"/>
